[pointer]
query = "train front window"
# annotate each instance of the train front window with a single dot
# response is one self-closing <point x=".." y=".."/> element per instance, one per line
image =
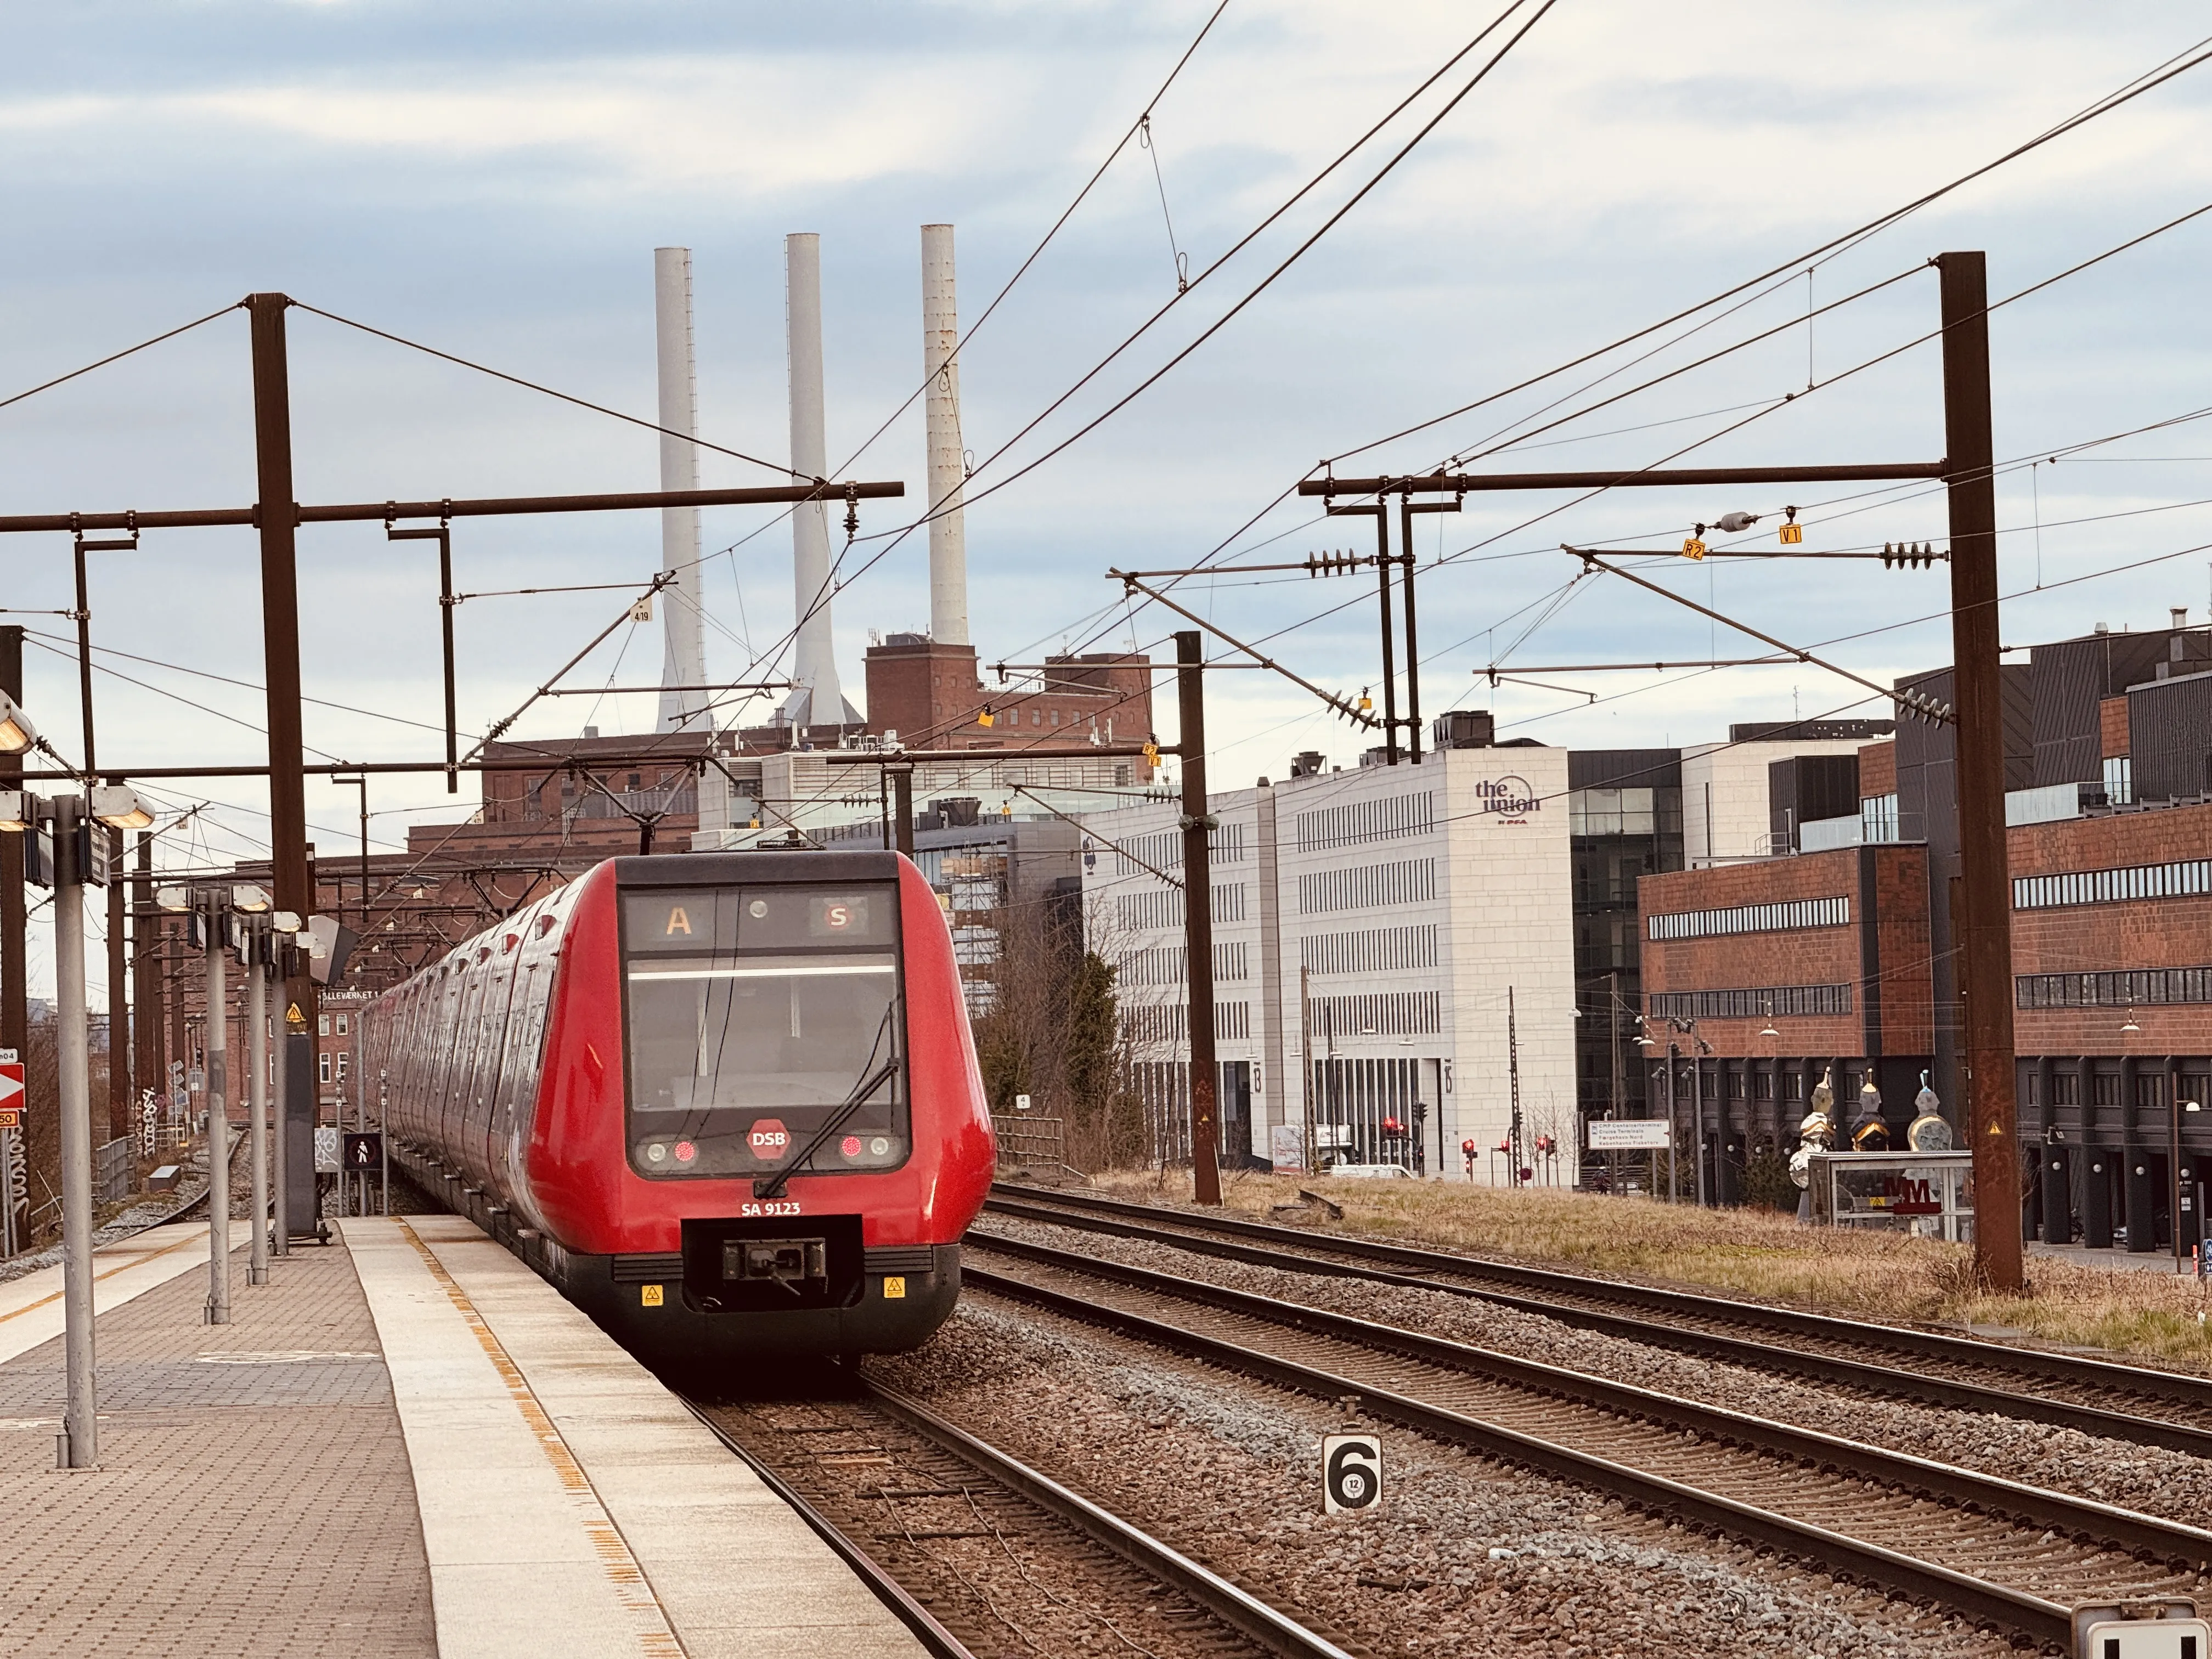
<point x="762" y="1020"/>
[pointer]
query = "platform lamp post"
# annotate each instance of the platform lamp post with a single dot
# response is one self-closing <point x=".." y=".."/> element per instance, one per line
<point x="76" y="860"/>
<point x="2173" y="1166"/>
<point x="210" y="908"/>
<point x="257" y="954"/>
<point x="17" y="735"/>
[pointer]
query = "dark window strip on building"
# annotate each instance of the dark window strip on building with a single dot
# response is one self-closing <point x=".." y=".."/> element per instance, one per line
<point x="1357" y="823"/>
<point x="2188" y="877"/>
<point x="2122" y="988"/>
<point x="1170" y="1021"/>
<point x="1753" y="919"/>
<point x="1411" y="881"/>
<point x="1772" y="1001"/>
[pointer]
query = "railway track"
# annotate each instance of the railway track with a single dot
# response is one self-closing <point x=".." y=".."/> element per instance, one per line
<point x="2164" y="1409"/>
<point x="981" y="1556"/>
<point x="1998" y="1552"/>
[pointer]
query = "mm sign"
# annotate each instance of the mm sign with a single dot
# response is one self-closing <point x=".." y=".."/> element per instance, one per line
<point x="1628" y="1135"/>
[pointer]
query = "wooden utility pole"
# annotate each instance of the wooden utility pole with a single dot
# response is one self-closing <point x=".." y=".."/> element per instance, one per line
<point x="1198" y="921"/>
<point x="1986" y="938"/>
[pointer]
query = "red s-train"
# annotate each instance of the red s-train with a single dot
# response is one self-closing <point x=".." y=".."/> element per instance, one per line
<point x="726" y="1103"/>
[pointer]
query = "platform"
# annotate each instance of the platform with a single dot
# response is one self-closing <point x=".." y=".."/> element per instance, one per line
<point x="405" y="1444"/>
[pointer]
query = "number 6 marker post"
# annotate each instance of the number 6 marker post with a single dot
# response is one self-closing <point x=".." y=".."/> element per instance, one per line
<point x="1351" y="1473"/>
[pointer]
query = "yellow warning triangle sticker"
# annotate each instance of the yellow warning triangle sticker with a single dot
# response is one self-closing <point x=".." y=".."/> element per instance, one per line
<point x="294" y="1017"/>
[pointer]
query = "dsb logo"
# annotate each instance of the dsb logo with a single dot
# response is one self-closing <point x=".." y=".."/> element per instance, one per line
<point x="768" y="1138"/>
<point x="1351" y="1473"/>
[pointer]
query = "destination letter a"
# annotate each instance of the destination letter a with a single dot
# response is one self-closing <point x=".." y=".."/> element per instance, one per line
<point x="678" y="922"/>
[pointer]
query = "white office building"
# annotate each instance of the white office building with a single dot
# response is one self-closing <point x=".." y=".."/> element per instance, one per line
<point x="1393" y="945"/>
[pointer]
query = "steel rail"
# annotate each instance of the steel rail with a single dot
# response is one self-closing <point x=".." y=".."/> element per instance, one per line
<point x="1884" y="1380"/>
<point x="937" y="1641"/>
<point x="2033" y="1616"/>
<point x="1238" y="1608"/>
<point x="2142" y="1535"/>
<point x="2071" y="1368"/>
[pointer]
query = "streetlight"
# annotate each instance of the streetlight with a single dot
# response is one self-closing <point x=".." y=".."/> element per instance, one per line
<point x="211" y="907"/>
<point x="2173" y="1167"/>
<point x="77" y="860"/>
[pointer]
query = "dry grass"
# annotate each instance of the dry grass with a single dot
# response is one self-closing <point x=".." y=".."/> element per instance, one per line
<point x="1755" y="1254"/>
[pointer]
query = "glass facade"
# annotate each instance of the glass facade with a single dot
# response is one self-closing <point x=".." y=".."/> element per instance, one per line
<point x="1617" y="835"/>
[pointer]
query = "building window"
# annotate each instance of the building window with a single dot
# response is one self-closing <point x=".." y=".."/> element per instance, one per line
<point x="1357" y="823"/>
<point x="1385" y="1013"/>
<point x="2105" y="1089"/>
<point x="1762" y="1085"/>
<point x="342" y="1024"/>
<point x="2119" y="780"/>
<point x="2196" y="1087"/>
<point x="1753" y="919"/>
<point x="2141" y="988"/>
<point x="1767" y="1002"/>
<point x="1413" y="881"/>
<point x="2186" y="879"/>
<point x="322" y="1024"/>
<point x="2066" y="1088"/>
<point x="1878" y="817"/>
<point x="1371" y="951"/>
<point x="343" y="1058"/>
<point x="323" y="1067"/>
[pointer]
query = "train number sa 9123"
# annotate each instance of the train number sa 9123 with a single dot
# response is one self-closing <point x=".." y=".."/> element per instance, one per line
<point x="772" y="1208"/>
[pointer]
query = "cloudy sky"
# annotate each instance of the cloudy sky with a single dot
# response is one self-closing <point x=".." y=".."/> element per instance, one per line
<point x="492" y="179"/>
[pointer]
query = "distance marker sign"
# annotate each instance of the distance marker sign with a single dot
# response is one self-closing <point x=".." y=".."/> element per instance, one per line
<point x="1351" y="1473"/>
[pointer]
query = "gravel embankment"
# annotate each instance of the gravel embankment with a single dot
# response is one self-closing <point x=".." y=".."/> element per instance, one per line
<point x="1466" y="1557"/>
<point x="2173" y="1485"/>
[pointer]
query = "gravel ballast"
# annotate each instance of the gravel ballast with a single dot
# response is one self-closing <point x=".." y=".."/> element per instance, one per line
<point x="1465" y="1556"/>
<point x="2170" y="1484"/>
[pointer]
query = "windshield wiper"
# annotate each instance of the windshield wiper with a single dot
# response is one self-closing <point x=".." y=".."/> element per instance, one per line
<point x="775" y="1185"/>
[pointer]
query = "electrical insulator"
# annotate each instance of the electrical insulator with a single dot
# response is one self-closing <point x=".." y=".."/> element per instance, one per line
<point x="1907" y="556"/>
<point x="1733" y="522"/>
<point x="1694" y="548"/>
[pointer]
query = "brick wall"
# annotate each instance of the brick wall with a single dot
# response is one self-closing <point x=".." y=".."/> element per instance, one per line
<point x="2173" y="932"/>
<point x="2113" y="727"/>
<point x="1878" y="769"/>
<point x="1809" y="956"/>
<point x="930" y="696"/>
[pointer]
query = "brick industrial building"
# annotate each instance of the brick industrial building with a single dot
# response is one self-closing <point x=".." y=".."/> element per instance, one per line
<point x="1840" y="950"/>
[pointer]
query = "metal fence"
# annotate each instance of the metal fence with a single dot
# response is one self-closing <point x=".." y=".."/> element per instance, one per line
<point x="1027" y="1138"/>
<point x="111" y="1170"/>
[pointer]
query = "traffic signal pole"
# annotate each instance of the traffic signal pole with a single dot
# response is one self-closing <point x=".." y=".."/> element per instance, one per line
<point x="1967" y="471"/>
<point x="1198" y="921"/>
<point x="1986" y="938"/>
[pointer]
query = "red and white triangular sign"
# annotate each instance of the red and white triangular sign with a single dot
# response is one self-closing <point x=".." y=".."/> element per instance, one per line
<point x="11" y="1086"/>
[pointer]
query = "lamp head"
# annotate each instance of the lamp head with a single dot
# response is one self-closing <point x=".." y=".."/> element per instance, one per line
<point x="17" y="734"/>
<point x="118" y="807"/>
<point x="173" y="898"/>
<point x="250" y="899"/>
<point x="19" y="811"/>
<point x="284" y="922"/>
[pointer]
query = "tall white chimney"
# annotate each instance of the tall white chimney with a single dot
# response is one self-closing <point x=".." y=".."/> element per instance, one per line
<point x="948" y="533"/>
<point x="684" y="661"/>
<point x="819" y="701"/>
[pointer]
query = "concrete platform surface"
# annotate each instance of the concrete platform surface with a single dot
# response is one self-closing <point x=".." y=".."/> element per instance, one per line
<point x="405" y="1446"/>
<point x="253" y="1496"/>
<point x="31" y="1306"/>
<point x="569" y="1503"/>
